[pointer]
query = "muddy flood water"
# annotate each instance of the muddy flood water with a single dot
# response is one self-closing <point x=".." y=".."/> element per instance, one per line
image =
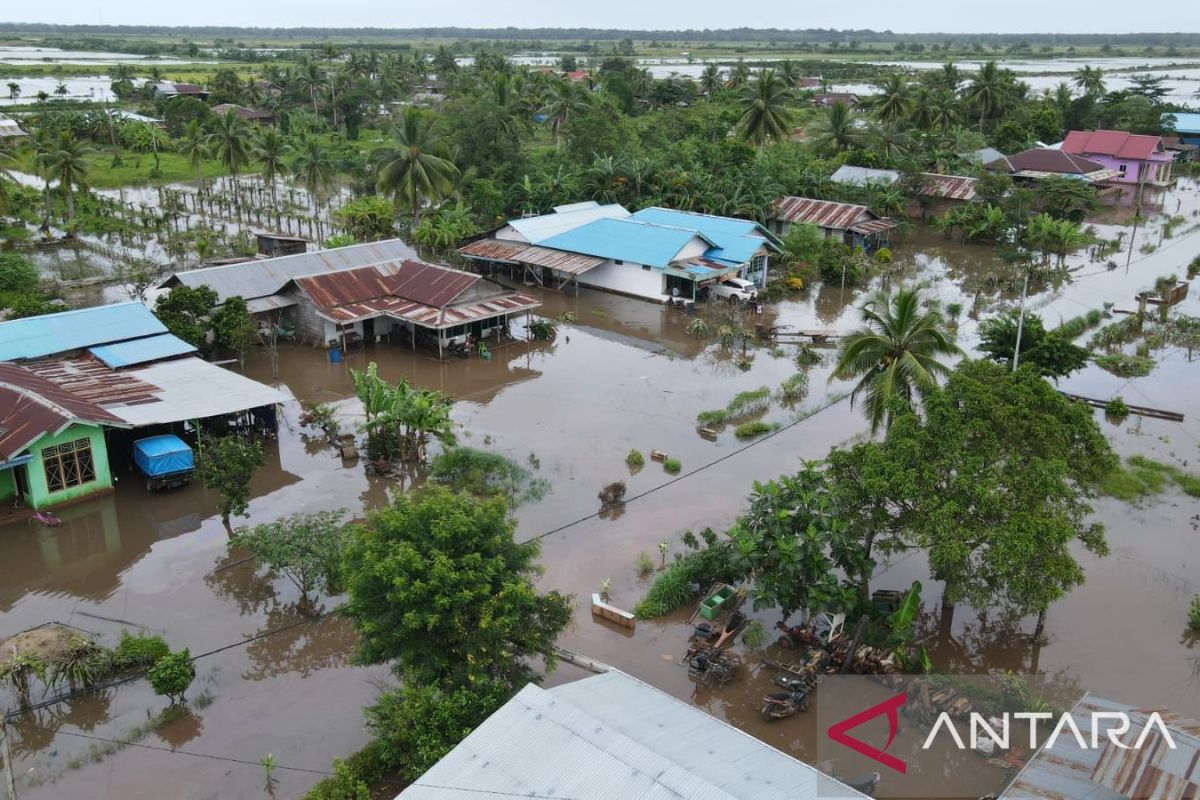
<point x="621" y="374"/>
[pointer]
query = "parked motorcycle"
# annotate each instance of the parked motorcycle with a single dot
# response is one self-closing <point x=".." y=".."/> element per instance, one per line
<point x="794" y="698"/>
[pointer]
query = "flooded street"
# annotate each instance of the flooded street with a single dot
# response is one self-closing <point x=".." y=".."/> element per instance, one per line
<point x="621" y="374"/>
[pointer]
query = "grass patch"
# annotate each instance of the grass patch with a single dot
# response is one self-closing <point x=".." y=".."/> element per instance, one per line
<point x="744" y="404"/>
<point x="1141" y="477"/>
<point x="672" y="466"/>
<point x="794" y="388"/>
<point x="715" y="417"/>
<point x="1126" y="366"/>
<point x="488" y="474"/>
<point x="635" y="458"/>
<point x="752" y="430"/>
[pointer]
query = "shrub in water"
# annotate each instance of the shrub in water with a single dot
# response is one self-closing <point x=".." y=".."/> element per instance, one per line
<point x="672" y="466"/>
<point x="635" y="459"/>
<point x="139" y="652"/>
<point x="172" y="675"/>
<point x="752" y="430"/>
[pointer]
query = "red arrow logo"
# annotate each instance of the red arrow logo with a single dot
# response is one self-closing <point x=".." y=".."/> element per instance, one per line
<point x="891" y="707"/>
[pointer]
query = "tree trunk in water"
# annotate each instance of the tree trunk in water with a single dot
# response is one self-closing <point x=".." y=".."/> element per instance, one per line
<point x="865" y="586"/>
<point x="1040" y="630"/>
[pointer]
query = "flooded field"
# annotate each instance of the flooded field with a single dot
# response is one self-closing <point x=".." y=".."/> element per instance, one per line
<point x="621" y="374"/>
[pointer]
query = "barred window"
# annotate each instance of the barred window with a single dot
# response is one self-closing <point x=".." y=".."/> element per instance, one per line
<point x="68" y="464"/>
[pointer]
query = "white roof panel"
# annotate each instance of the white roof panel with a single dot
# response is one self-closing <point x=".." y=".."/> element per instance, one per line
<point x="190" y="388"/>
<point x="537" y="229"/>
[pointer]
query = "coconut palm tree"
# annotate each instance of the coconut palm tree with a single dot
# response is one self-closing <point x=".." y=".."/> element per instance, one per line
<point x="989" y="92"/>
<point x="14" y="90"/>
<point x="837" y="130"/>
<point x="310" y="79"/>
<point x="889" y="142"/>
<point x="711" y="81"/>
<point x="739" y="76"/>
<point x="562" y="99"/>
<point x="789" y="72"/>
<point x="894" y="354"/>
<point x="412" y="169"/>
<point x="271" y="150"/>
<point x="229" y="142"/>
<point x="66" y="162"/>
<point x="314" y="166"/>
<point x="1090" y="80"/>
<point x="765" y="112"/>
<point x="894" y="100"/>
<point x="194" y="146"/>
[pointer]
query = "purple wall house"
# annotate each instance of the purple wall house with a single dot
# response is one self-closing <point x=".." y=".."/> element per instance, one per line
<point x="1138" y="159"/>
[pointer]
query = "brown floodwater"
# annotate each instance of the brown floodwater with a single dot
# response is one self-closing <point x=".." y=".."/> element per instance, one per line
<point x="621" y="374"/>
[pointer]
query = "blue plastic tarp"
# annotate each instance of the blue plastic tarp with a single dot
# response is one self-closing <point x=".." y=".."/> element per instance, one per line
<point x="162" y="455"/>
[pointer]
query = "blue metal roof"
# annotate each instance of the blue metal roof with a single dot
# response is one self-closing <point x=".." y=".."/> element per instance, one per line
<point x="35" y="337"/>
<point x="625" y="240"/>
<point x="736" y="240"/>
<point x="1186" y="123"/>
<point x="141" y="351"/>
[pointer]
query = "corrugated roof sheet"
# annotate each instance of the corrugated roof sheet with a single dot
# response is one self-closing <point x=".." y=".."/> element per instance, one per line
<point x="272" y="302"/>
<point x="415" y="281"/>
<point x="537" y="229"/>
<point x="494" y="249"/>
<point x="521" y="253"/>
<point x="612" y="737"/>
<point x="823" y="213"/>
<point x="32" y="407"/>
<point x="38" y="337"/>
<point x="949" y="187"/>
<point x="870" y="226"/>
<point x="1117" y="144"/>
<point x="190" y="388"/>
<point x="262" y="277"/>
<point x="626" y="240"/>
<point x="1185" y="123"/>
<point x="141" y="351"/>
<point x="1108" y="772"/>
<point x="736" y="240"/>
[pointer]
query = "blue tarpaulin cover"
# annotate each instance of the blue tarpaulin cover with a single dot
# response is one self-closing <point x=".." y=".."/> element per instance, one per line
<point x="162" y="455"/>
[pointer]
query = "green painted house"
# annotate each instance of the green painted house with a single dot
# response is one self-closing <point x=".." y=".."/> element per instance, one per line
<point x="52" y="442"/>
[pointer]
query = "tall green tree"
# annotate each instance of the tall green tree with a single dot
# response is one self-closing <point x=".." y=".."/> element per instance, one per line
<point x="66" y="163"/>
<point x="561" y="101"/>
<point x="766" y="115"/>
<point x="193" y="144"/>
<point x="837" y="129"/>
<point x="894" y="101"/>
<point x="185" y="311"/>
<point x="1049" y="353"/>
<point x="313" y="164"/>
<point x="226" y="464"/>
<point x="1089" y="80"/>
<point x="439" y="589"/>
<point x="413" y="168"/>
<point x="229" y="141"/>
<point x="895" y="354"/>
<point x="989" y="92"/>
<point x="271" y="150"/>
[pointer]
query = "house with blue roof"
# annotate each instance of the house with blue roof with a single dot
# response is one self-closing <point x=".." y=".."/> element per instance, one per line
<point x="655" y="253"/>
<point x="1187" y="126"/>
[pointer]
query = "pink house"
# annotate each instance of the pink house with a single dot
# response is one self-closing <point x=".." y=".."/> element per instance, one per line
<point x="1138" y="159"/>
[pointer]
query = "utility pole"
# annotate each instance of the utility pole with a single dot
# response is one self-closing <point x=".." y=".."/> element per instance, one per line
<point x="1020" y="322"/>
<point x="10" y="786"/>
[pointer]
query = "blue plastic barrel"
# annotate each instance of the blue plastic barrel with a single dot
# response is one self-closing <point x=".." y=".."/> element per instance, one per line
<point x="335" y="355"/>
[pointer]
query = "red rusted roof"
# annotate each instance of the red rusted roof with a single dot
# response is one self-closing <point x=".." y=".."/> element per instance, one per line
<point x="522" y="253"/>
<point x="1117" y="144"/>
<point x="870" y="226"/>
<point x="428" y="316"/>
<point x="823" y="213"/>
<point x="411" y="280"/>
<point x="89" y="379"/>
<point x="32" y="406"/>
<point x="949" y="187"/>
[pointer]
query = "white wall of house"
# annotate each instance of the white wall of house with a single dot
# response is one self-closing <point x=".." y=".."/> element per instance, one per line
<point x="627" y="278"/>
<point x="693" y="249"/>
<point x="509" y="234"/>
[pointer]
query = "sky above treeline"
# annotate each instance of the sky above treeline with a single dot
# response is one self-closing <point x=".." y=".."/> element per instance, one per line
<point x="953" y="16"/>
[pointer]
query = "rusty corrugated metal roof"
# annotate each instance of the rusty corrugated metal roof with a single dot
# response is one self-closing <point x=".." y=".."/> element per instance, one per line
<point x="522" y="253"/>
<point x="416" y="281"/>
<point x="89" y="379"/>
<point x="32" y="406"/>
<point x="429" y="316"/>
<point x="949" y="187"/>
<point x="1154" y="772"/>
<point x="822" y="213"/>
<point x="867" y="227"/>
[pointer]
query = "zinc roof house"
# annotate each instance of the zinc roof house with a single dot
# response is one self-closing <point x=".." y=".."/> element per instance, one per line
<point x="612" y="737"/>
<point x="1108" y="772"/>
<point x="67" y="379"/>
<point x="1187" y="126"/>
<point x="855" y="225"/>
<point x="9" y="128"/>
<point x="405" y="300"/>
<point x="1136" y="158"/>
<point x="259" y="281"/>
<point x="655" y="253"/>
<point x="1047" y="162"/>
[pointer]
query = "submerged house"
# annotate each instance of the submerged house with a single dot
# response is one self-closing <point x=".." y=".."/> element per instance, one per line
<point x="260" y="281"/>
<point x="938" y="193"/>
<point x="77" y="387"/>
<point x="610" y="737"/>
<point x="1135" y="158"/>
<point x="655" y="253"/>
<point x="404" y="301"/>
<point x="1039" y="163"/>
<point x="854" y="225"/>
<point x="1187" y="126"/>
